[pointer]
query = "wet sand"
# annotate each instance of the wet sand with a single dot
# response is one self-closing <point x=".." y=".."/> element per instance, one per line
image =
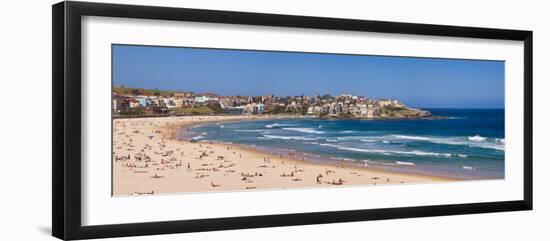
<point x="149" y="159"/>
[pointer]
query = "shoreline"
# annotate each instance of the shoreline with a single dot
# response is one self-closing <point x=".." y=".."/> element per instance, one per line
<point x="148" y="158"/>
<point x="317" y="160"/>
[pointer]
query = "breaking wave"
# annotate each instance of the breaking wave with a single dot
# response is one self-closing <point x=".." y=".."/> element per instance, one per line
<point x="404" y="163"/>
<point x="471" y="141"/>
<point x="299" y="138"/>
<point x="391" y="152"/>
<point x="419" y="138"/>
<point x="476" y="138"/>
<point x="346" y="132"/>
<point x="276" y="125"/>
<point x="304" y="130"/>
<point x="250" y="130"/>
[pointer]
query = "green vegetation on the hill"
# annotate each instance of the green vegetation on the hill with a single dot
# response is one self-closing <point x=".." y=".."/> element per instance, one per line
<point x="194" y="110"/>
<point x="138" y="111"/>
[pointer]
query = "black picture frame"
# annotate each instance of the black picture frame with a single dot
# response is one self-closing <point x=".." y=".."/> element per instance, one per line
<point x="66" y="128"/>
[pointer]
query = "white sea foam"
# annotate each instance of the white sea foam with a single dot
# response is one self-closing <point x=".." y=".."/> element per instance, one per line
<point x="404" y="163"/>
<point x="468" y="168"/>
<point x="304" y="130"/>
<point x="380" y="163"/>
<point x="368" y="140"/>
<point x="313" y="155"/>
<point x="389" y="152"/>
<point x="422" y="153"/>
<point x="250" y="130"/>
<point x="471" y="141"/>
<point x="347" y="131"/>
<point x="476" y="138"/>
<point x="481" y="142"/>
<point x="421" y="138"/>
<point x="353" y="138"/>
<point x="276" y="125"/>
<point x="342" y="159"/>
<point x="299" y="138"/>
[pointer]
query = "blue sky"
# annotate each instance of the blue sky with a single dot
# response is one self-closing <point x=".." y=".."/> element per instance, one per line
<point x="418" y="82"/>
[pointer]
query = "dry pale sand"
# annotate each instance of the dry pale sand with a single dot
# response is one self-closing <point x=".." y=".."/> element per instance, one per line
<point x="148" y="159"/>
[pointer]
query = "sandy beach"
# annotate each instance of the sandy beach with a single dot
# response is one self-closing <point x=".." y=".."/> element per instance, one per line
<point x="149" y="159"/>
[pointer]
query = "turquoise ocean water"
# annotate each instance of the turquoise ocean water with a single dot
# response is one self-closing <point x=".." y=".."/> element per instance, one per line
<point x="469" y="144"/>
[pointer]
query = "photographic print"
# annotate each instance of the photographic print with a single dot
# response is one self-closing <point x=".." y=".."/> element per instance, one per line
<point x="193" y="120"/>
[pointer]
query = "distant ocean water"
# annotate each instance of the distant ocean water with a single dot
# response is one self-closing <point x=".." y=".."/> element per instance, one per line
<point x="469" y="144"/>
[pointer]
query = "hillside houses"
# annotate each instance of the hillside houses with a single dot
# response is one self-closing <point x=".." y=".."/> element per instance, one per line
<point x="188" y="103"/>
